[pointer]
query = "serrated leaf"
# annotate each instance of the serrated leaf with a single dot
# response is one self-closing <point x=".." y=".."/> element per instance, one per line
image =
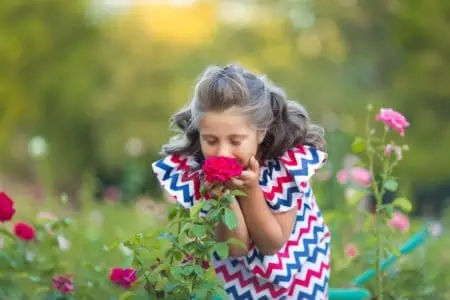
<point x="358" y="145"/>
<point x="195" y="210"/>
<point x="391" y="185"/>
<point x="198" y="230"/>
<point x="206" y="205"/>
<point x="221" y="249"/>
<point x="126" y="295"/>
<point x="230" y="219"/>
<point x="402" y="203"/>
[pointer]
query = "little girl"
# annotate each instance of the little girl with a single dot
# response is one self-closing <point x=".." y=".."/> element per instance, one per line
<point x="236" y="114"/>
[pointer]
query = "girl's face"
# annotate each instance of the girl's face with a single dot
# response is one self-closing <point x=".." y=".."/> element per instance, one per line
<point x="229" y="133"/>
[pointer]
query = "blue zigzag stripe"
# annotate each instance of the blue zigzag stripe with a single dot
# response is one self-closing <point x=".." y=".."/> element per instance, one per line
<point x="298" y="255"/>
<point x="168" y="169"/>
<point x="273" y="165"/>
<point x="172" y="178"/>
<point x="317" y="288"/>
<point x="232" y="291"/>
<point x="304" y="162"/>
<point x="259" y="256"/>
<point x="284" y="202"/>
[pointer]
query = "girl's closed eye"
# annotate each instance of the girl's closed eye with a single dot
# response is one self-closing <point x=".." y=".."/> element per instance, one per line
<point x="235" y="142"/>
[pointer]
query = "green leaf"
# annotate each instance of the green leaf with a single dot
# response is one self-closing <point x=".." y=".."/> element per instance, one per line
<point x="221" y="293"/>
<point x="206" y="205"/>
<point x="403" y="203"/>
<point x="389" y="211"/>
<point x="238" y="193"/>
<point x="230" y="219"/>
<point x="201" y="293"/>
<point x="173" y="211"/>
<point x="358" y="145"/>
<point x="356" y="197"/>
<point x="195" y="210"/>
<point x="391" y="185"/>
<point x="221" y="249"/>
<point x="126" y="295"/>
<point x="235" y="241"/>
<point x="177" y="273"/>
<point x="198" y="230"/>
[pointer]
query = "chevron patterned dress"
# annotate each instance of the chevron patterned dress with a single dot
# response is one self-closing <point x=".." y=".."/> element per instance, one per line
<point x="301" y="269"/>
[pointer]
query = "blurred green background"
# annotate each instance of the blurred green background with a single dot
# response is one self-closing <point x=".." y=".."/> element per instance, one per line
<point x="87" y="89"/>
<point x="83" y="83"/>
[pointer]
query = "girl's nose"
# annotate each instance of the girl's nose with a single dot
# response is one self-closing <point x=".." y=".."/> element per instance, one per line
<point x="224" y="151"/>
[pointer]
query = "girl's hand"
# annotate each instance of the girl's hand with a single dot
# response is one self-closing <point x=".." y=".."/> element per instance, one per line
<point x="249" y="179"/>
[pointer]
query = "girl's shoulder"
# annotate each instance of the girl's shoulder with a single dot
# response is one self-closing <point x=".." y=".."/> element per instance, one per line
<point x="286" y="179"/>
<point x="301" y="160"/>
<point x="180" y="176"/>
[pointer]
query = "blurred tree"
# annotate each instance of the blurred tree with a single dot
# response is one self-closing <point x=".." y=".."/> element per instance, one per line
<point x="50" y="72"/>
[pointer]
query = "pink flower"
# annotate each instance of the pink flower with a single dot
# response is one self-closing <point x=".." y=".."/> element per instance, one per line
<point x="63" y="283"/>
<point x="342" y="176"/>
<point x="397" y="151"/>
<point x="360" y="176"/>
<point x="7" y="209"/>
<point x="123" y="277"/>
<point x="221" y="169"/>
<point x="357" y="175"/>
<point x="351" y="251"/>
<point x="399" y="221"/>
<point x="393" y="119"/>
<point x="24" y="231"/>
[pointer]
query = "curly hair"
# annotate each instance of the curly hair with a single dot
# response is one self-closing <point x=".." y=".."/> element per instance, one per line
<point x="285" y="122"/>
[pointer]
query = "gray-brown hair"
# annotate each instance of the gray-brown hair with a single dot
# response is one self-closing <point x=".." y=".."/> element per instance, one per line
<point x="285" y="122"/>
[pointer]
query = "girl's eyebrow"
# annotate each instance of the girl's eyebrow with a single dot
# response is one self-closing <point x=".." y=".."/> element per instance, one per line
<point x="239" y="136"/>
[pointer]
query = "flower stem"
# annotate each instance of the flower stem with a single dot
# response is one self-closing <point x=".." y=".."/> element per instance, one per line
<point x="378" y="194"/>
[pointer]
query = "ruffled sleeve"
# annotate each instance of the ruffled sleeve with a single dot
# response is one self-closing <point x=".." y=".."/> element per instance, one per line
<point x="180" y="177"/>
<point x="285" y="180"/>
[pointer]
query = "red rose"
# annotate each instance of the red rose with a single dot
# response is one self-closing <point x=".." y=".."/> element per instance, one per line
<point x="24" y="231"/>
<point x="7" y="210"/>
<point x="123" y="277"/>
<point x="221" y="169"/>
<point x="63" y="283"/>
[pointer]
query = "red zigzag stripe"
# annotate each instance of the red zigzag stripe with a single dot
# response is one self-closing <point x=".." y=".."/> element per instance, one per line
<point x="252" y="281"/>
<point x="310" y="273"/>
<point x="278" y="266"/>
<point x="278" y="188"/>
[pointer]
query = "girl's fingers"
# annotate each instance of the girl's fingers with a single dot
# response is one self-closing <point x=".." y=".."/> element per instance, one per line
<point x="237" y="182"/>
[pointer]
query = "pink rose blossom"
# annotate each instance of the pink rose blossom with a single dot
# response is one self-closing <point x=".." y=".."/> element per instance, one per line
<point x="399" y="221"/>
<point x="351" y="251"/>
<point x="356" y="175"/>
<point x="393" y="119"/>
<point x="63" y="283"/>
<point x="7" y="209"/>
<point x="123" y="277"/>
<point x="221" y="169"/>
<point x="361" y="176"/>
<point x="342" y="176"/>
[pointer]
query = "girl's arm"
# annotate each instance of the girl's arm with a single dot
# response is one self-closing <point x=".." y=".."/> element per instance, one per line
<point x="240" y="232"/>
<point x="268" y="231"/>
